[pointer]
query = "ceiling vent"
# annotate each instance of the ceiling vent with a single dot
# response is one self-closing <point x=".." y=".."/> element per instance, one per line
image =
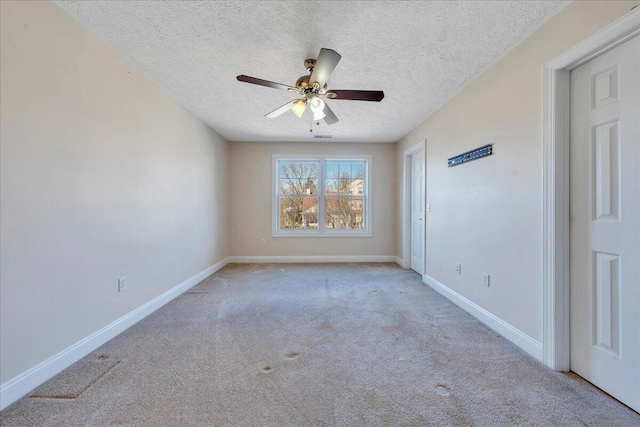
<point x="322" y="136"/>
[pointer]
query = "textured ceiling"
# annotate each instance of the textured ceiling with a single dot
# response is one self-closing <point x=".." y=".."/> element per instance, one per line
<point x="419" y="53"/>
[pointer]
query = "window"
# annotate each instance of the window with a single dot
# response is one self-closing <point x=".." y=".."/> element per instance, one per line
<point x="321" y="196"/>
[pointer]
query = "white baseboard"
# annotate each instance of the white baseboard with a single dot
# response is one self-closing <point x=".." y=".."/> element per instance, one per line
<point x="22" y="384"/>
<point x="310" y="259"/>
<point x="400" y="262"/>
<point x="519" y="338"/>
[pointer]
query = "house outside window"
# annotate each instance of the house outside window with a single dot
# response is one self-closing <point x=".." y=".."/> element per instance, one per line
<point x="322" y="196"/>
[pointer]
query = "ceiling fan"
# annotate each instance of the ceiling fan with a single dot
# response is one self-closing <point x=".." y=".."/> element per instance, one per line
<point x="314" y="86"/>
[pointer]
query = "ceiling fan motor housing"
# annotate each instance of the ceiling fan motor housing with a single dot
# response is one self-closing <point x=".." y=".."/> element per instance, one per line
<point x="303" y="84"/>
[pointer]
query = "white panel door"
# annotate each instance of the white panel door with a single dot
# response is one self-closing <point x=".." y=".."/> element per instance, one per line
<point x="605" y="222"/>
<point x="417" y="212"/>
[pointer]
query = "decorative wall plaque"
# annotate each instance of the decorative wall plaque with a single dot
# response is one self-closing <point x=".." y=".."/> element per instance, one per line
<point x="485" y="150"/>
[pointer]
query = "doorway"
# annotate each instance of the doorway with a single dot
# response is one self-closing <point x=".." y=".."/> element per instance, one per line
<point x="607" y="277"/>
<point x="604" y="181"/>
<point x="414" y="198"/>
<point x="417" y="212"/>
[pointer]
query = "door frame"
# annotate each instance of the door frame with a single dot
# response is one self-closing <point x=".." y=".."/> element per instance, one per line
<point x="555" y="245"/>
<point x="406" y="204"/>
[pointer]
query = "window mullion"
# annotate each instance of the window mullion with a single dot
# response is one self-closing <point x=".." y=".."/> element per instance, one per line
<point x="322" y="222"/>
<point x="276" y="176"/>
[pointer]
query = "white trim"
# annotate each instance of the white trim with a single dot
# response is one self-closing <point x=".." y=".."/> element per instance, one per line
<point x="326" y="233"/>
<point x="406" y="201"/>
<point x="516" y="336"/>
<point x="555" y="244"/>
<point x="309" y="259"/>
<point x="22" y="384"/>
<point x="400" y="262"/>
<point x="322" y="231"/>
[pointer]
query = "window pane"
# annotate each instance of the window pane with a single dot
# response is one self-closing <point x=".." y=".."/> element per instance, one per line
<point x="345" y="177"/>
<point x="298" y="213"/>
<point x="345" y="213"/>
<point x="345" y="221"/>
<point x="332" y="170"/>
<point x="345" y="169"/>
<point x="346" y="186"/>
<point x="333" y="186"/>
<point x="358" y="170"/>
<point x="298" y="177"/>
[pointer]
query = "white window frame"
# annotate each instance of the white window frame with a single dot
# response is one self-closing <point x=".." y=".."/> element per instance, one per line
<point x="322" y="230"/>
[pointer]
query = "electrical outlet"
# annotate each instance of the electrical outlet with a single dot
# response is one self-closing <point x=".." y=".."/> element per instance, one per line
<point x="459" y="268"/>
<point x="262" y="241"/>
<point x="375" y="240"/>
<point x="486" y="280"/>
<point x="122" y="284"/>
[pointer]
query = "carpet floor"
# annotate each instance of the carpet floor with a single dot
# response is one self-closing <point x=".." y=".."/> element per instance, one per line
<point x="313" y="345"/>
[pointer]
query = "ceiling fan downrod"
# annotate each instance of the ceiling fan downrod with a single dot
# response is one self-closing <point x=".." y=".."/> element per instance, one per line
<point x="310" y="64"/>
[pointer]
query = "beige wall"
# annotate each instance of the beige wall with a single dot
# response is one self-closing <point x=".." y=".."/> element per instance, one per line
<point x="487" y="214"/>
<point x="250" y="206"/>
<point x="103" y="175"/>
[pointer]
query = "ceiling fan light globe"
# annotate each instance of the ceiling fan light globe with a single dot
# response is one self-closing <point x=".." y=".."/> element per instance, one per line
<point x="318" y="115"/>
<point x="317" y="105"/>
<point x="298" y="107"/>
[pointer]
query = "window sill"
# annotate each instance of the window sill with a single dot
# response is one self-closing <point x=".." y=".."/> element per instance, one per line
<point x="338" y="234"/>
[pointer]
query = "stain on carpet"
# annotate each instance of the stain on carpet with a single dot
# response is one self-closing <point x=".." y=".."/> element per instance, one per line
<point x="75" y="380"/>
<point x="442" y="390"/>
<point x="192" y="296"/>
<point x="196" y="294"/>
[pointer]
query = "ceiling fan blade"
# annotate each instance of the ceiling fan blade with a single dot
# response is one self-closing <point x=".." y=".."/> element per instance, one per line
<point x="280" y="110"/>
<point x="330" y="117"/>
<point x="356" y="95"/>
<point x="266" y="83"/>
<point x="325" y="64"/>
